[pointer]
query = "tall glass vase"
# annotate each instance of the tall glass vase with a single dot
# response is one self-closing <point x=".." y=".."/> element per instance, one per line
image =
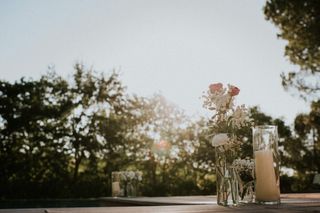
<point x="267" y="170"/>
<point x="226" y="177"/>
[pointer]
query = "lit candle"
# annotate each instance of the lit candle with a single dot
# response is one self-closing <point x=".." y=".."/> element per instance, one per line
<point x="115" y="189"/>
<point x="267" y="188"/>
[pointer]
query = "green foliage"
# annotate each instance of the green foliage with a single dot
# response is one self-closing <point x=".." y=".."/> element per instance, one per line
<point x="307" y="127"/>
<point x="48" y="128"/>
<point x="63" y="138"/>
<point x="299" y="24"/>
<point x="299" y="148"/>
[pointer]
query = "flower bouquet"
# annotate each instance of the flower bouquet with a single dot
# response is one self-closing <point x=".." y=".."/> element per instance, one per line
<point x="225" y="126"/>
<point x="245" y="172"/>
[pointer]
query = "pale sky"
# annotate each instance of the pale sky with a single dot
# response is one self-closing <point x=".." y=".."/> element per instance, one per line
<point x="175" y="47"/>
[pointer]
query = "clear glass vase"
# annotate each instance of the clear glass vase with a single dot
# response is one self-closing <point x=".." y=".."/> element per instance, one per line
<point x="131" y="189"/>
<point x="226" y="177"/>
<point x="246" y="188"/>
<point x="267" y="170"/>
<point x="245" y="173"/>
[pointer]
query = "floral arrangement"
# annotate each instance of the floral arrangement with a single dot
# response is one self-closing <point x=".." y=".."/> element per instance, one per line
<point x="128" y="176"/>
<point x="245" y="175"/>
<point x="228" y="118"/>
<point x="225" y="126"/>
<point x="244" y="164"/>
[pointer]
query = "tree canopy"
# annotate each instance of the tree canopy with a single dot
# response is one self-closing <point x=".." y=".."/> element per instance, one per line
<point x="299" y="24"/>
<point x="64" y="138"/>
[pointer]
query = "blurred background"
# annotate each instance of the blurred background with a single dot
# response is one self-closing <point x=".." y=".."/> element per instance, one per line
<point x="92" y="87"/>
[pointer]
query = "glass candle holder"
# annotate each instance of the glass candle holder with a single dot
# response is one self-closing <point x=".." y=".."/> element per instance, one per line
<point x="267" y="169"/>
<point x="116" y="185"/>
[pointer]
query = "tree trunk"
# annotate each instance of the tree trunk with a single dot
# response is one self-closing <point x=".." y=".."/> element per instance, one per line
<point x="153" y="168"/>
<point x="78" y="159"/>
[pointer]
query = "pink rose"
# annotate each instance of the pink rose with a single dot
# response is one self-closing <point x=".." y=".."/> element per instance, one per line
<point x="215" y="87"/>
<point x="233" y="90"/>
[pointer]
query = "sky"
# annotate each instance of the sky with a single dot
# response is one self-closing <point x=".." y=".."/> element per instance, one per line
<point x="172" y="47"/>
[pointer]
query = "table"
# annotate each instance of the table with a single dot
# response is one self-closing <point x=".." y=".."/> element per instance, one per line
<point x="188" y="204"/>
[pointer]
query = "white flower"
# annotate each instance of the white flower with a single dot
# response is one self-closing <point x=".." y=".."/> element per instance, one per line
<point x="244" y="164"/>
<point x="240" y="116"/>
<point x="220" y="139"/>
<point x="131" y="175"/>
<point x="222" y="102"/>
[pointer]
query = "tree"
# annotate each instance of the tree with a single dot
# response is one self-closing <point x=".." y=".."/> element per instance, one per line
<point x="49" y="129"/>
<point x="299" y="24"/>
<point x="31" y="114"/>
<point x="160" y="142"/>
<point x="90" y="94"/>
<point x="307" y="127"/>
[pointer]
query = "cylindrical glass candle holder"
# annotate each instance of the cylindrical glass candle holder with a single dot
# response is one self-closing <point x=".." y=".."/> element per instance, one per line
<point x="267" y="169"/>
<point x="116" y="185"/>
